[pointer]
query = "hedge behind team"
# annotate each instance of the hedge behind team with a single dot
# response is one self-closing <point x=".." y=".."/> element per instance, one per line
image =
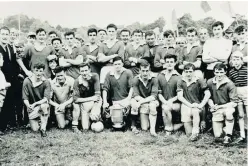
<point x="103" y="59"/>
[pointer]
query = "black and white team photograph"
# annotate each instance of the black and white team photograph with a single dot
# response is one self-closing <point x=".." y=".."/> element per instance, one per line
<point x="123" y="83"/>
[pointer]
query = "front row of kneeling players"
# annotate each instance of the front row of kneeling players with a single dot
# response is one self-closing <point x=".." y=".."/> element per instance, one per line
<point x="140" y="95"/>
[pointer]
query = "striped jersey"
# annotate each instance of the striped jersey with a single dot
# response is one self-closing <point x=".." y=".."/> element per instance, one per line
<point x="239" y="76"/>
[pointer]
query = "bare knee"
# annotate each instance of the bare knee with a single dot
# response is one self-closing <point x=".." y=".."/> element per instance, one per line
<point x="153" y="108"/>
<point x="229" y="115"/>
<point x="34" y="127"/>
<point x="241" y="114"/>
<point x="166" y="109"/>
<point x="44" y="106"/>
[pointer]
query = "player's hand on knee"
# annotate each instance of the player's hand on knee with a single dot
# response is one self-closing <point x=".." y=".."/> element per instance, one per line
<point x="105" y="105"/>
<point x="61" y="108"/>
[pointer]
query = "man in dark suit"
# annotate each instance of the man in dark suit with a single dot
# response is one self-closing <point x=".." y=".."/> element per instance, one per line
<point x="12" y="104"/>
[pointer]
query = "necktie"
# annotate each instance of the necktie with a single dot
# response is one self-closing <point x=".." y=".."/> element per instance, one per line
<point x="7" y="51"/>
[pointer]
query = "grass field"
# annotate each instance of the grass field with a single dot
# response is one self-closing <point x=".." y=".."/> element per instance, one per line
<point x="65" y="148"/>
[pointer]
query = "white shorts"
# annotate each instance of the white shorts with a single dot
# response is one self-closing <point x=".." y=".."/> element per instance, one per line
<point x="242" y="94"/>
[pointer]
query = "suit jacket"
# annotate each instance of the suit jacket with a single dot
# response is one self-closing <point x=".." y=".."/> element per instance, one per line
<point x="10" y="67"/>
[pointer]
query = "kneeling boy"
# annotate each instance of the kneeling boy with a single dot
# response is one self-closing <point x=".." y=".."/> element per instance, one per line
<point x="62" y="88"/>
<point x="36" y="94"/>
<point x="190" y="90"/>
<point x="223" y="102"/>
<point x="86" y="96"/>
<point x="145" y="89"/>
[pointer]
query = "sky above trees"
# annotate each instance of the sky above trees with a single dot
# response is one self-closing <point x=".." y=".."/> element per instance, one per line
<point x="76" y="14"/>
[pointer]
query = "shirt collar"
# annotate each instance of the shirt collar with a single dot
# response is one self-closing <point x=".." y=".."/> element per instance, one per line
<point x="67" y="47"/>
<point x="57" y="84"/>
<point x="35" y="84"/>
<point x="88" y="44"/>
<point x="149" y="78"/>
<point x="112" y="73"/>
<point x="192" y="45"/>
<point x="194" y="80"/>
<point x="81" y="79"/>
<point x="174" y="72"/>
<point x="225" y="80"/>
<point x="107" y="41"/>
<point x="155" y="44"/>
<point x="140" y="43"/>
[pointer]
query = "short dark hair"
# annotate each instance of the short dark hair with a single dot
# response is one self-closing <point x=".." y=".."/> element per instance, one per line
<point x="91" y="30"/>
<point x="118" y="58"/>
<point x="218" y="23"/>
<point x="40" y="30"/>
<point x="189" y="66"/>
<point x="52" y="32"/>
<point x="69" y="33"/>
<point x="112" y="26"/>
<point x="143" y="63"/>
<point x="54" y="39"/>
<point x="126" y="30"/>
<point x="39" y="66"/>
<point x="5" y="28"/>
<point x="102" y="30"/>
<point x="137" y="31"/>
<point x="170" y="56"/>
<point x="58" y="69"/>
<point x="220" y="66"/>
<point x="191" y="29"/>
<point x="167" y="33"/>
<point x="83" y="65"/>
<point x="149" y="33"/>
<point x="240" y="29"/>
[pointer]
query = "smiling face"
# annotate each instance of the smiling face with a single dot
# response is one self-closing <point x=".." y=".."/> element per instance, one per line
<point x="218" y="31"/>
<point x="52" y="64"/>
<point x="4" y="36"/>
<point x="242" y="36"/>
<point x="150" y="40"/>
<point x="191" y="37"/>
<point x="220" y="74"/>
<point x="41" y="36"/>
<point x="125" y="36"/>
<point x="170" y="63"/>
<point x="38" y="72"/>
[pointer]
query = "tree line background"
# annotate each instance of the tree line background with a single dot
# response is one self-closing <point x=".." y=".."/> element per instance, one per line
<point x="31" y="24"/>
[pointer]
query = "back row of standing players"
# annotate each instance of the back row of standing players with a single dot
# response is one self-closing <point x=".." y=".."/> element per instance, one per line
<point x="188" y="79"/>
